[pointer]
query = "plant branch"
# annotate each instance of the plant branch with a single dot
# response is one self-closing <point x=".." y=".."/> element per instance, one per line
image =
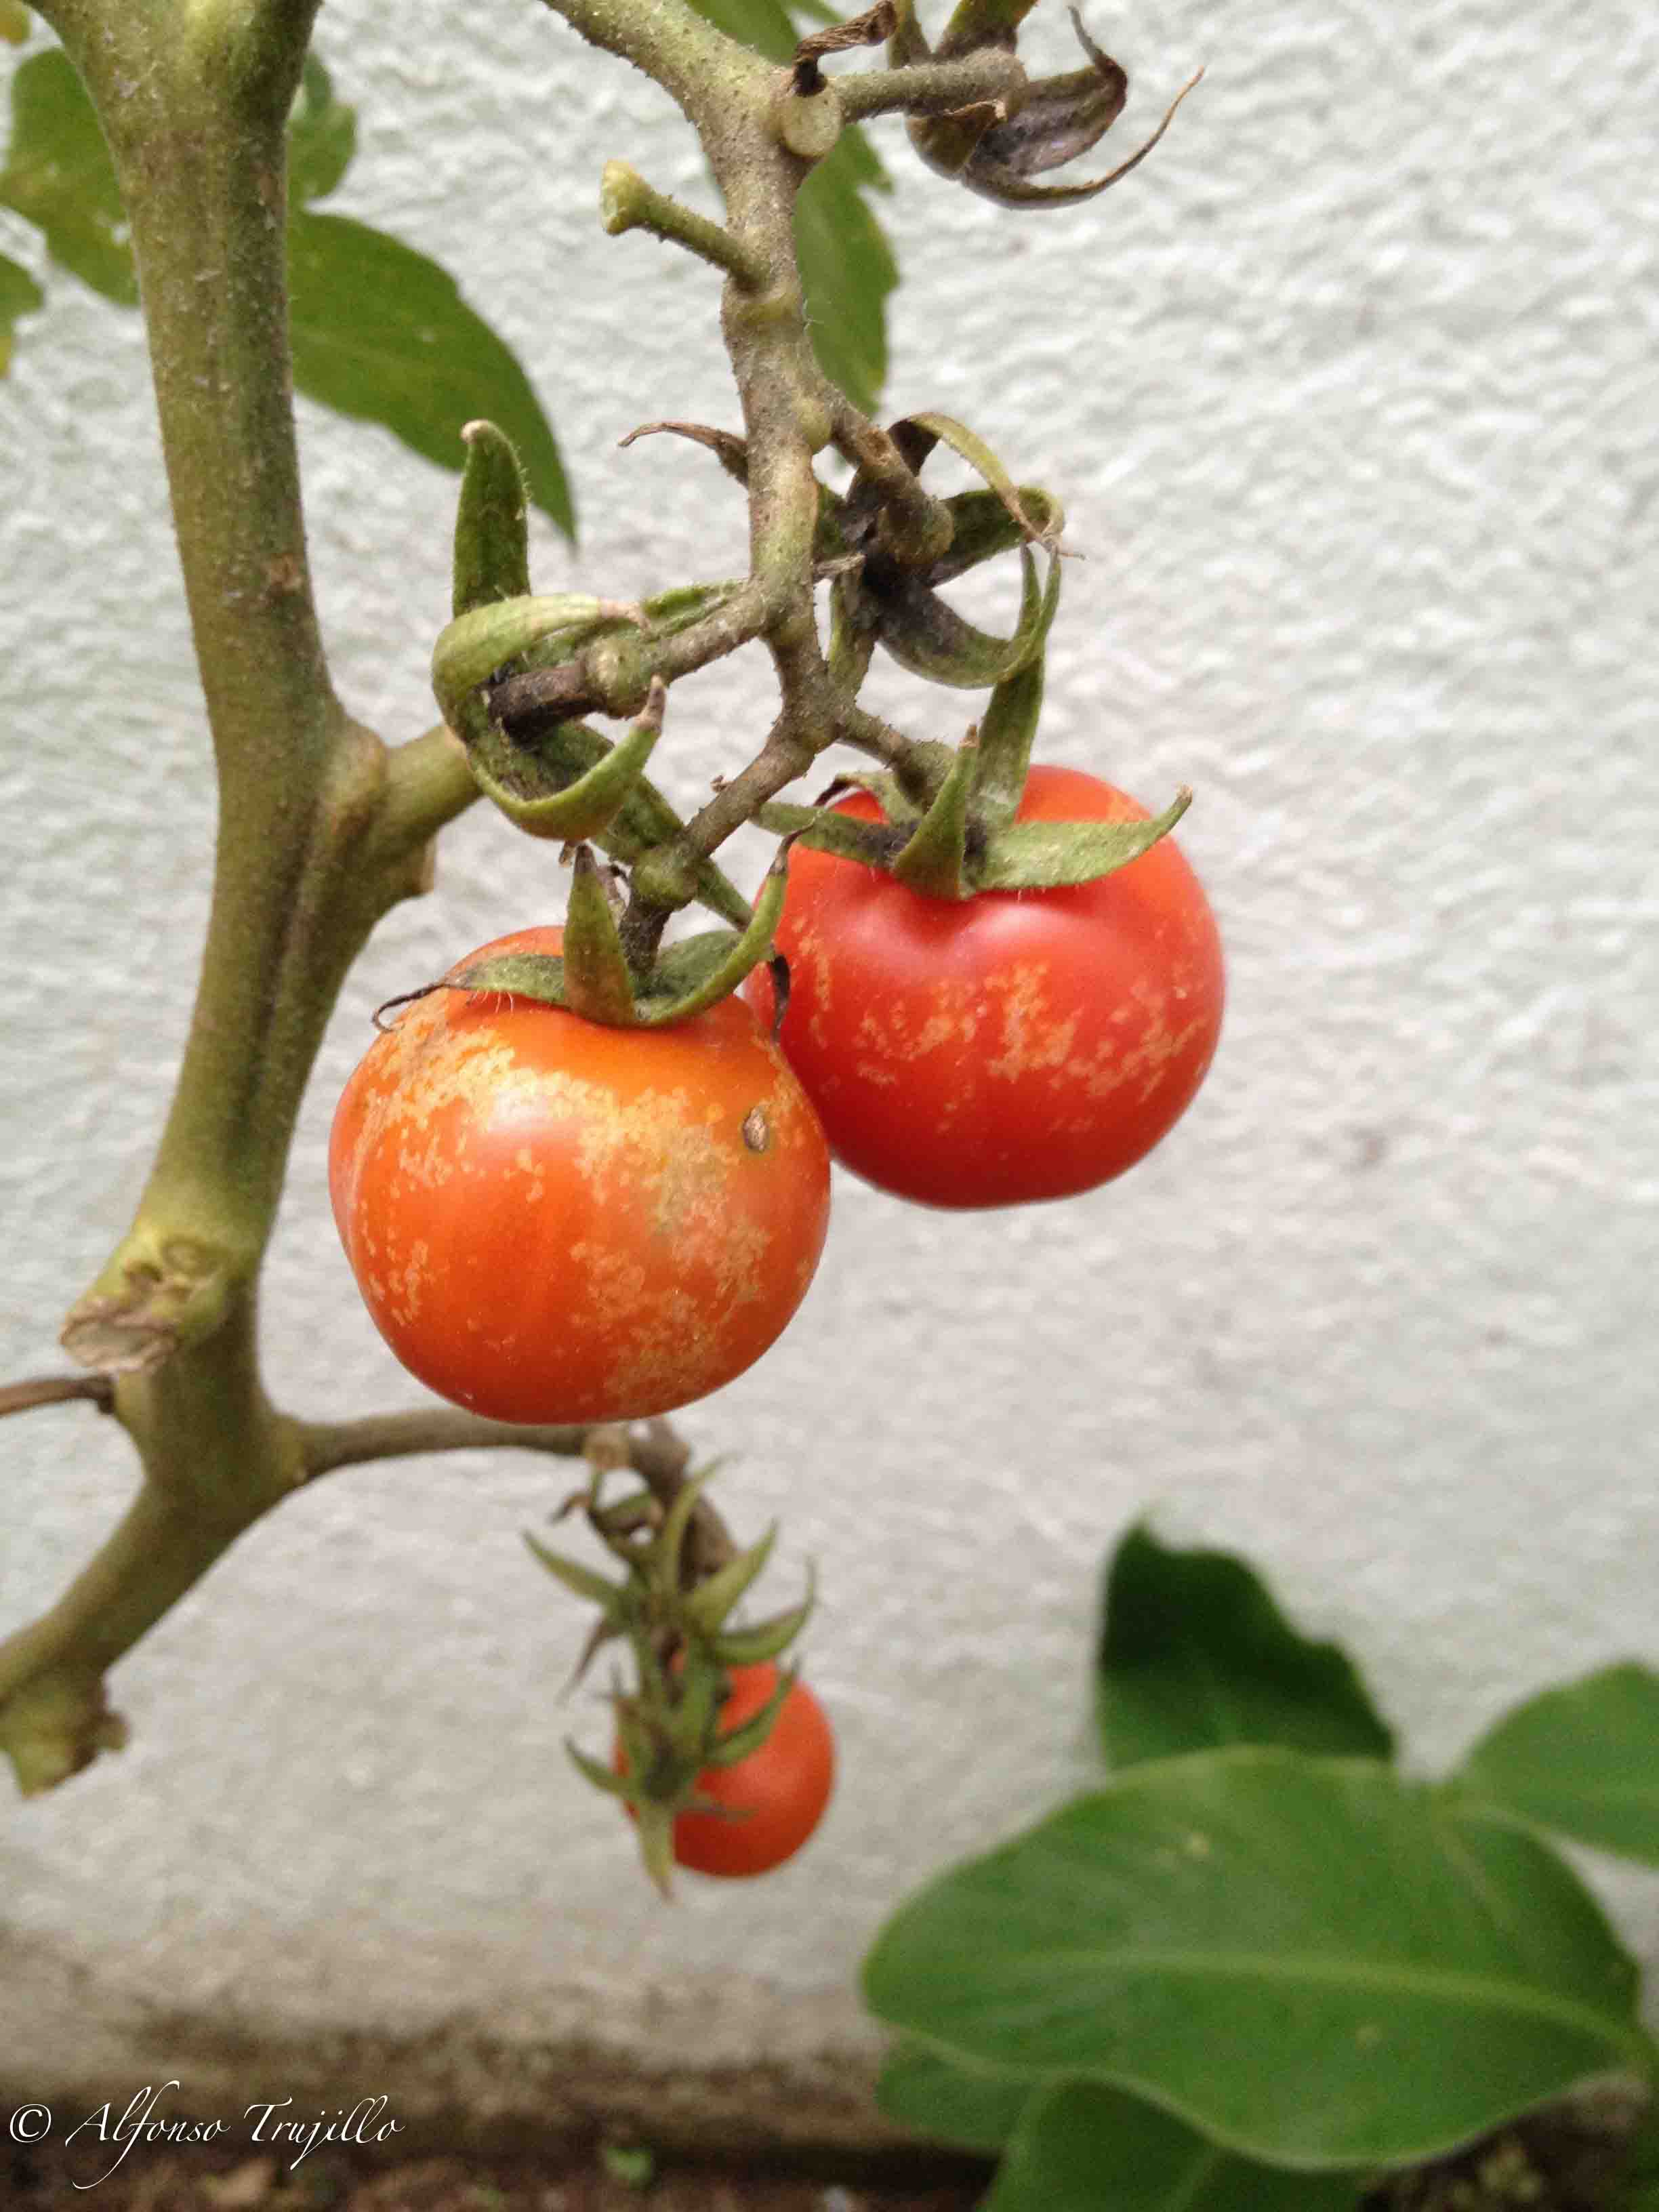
<point x="931" y="87"/>
<point x="325" y="1446"/>
<point x="56" y="1390"/>
<point x="320" y="831"/>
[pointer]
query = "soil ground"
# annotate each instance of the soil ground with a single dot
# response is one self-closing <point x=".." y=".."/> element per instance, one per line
<point x="1570" y="2160"/>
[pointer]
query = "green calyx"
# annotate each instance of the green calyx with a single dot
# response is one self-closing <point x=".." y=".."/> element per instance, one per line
<point x="960" y="835"/>
<point x="593" y="976"/>
<point x="562" y="781"/>
<point x="682" y="1582"/>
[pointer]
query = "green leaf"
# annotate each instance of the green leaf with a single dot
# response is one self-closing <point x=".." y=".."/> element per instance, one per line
<point x="59" y="177"/>
<point x="322" y="137"/>
<point x="946" y="2097"/>
<point x="763" y="25"/>
<point x="846" y="268"/>
<point x="19" y="295"/>
<point x="1315" y="1963"/>
<point x="381" y="333"/>
<point x="1195" y="1653"/>
<point x="1582" y="1759"/>
<point x="1080" y="2147"/>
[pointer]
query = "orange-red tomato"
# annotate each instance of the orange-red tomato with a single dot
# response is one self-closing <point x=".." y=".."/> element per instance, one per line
<point x="551" y="1220"/>
<point x="1012" y="1046"/>
<point x="775" y="1798"/>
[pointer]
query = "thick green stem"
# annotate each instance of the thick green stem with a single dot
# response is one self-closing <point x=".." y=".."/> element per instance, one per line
<point x="195" y="104"/>
<point x="320" y="831"/>
<point x="215" y="1456"/>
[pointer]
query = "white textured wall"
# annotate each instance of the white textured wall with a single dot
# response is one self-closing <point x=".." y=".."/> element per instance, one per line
<point x="1350" y="394"/>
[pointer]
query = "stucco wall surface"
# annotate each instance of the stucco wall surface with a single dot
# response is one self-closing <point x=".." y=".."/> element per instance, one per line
<point x="1350" y="392"/>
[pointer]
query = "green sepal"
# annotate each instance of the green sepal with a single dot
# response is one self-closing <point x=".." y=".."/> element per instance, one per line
<point x="655" y="1826"/>
<point x="705" y="1608"/>
<point x="538" y="975"/>
<point x="581" y="1581"/>
<point x="906" y="42"/>
<point x="852" y="646"/>
<point x="932" y="639"/>
<point x="595" y="979"/>
<point x="681" y="604"/>
<point x="933" y="862"/>
<point x="745" y="1741"/>
<point x="671" y="1539"/>
<point x="476" y="644"/>
<point x="748" y="1647"/>
<point x="695" y="974"/>
<point x="546" y="801"/>
<point x="1007" y="731"/>
<point x="1048" y="855"/>
<point x="823" y="830"/>
<point x="693" y="1716"/>
<point x="492" y="532"/>
<point x="984" y="526"/>
<point x="686" y="979"/>
<point x="601" y="1776"/>
<point x="945" y="429"/>
<point x="976" y="23"/>
<point x="601" y="1633"/>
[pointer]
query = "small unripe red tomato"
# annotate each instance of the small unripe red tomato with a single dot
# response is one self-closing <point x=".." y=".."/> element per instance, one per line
<point x="775" y="1798"/>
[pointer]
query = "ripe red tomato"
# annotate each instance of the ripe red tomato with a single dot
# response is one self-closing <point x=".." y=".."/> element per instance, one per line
<point x="551" y="1220"/>
<point x="1014" y="1045"/>
<point x="775" y="1798"/>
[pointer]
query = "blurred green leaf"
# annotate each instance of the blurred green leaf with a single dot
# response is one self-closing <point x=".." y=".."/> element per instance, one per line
<point x="846" y="268"/>
<point x="15" y="22"/>
<point x="382" y="333"/>
<point x="1314" y="1962"/>
<point x="59" y="177"/>
<point x="1194" y="1654"/>
<point x="1582" y="1760"/>
<point x="322" y="137"/>
<point x="948" y="2098"/>
<point x="19" y="295"/>
<point x="379" y="332"/>
<point x="763" y="24"/>
<point x="1080" y="2147"/>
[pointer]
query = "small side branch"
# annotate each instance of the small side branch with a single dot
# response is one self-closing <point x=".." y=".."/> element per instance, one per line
<point x="931" y="87"/>
<point x="324" y="1446"/>
<point x="56" y="1390"/>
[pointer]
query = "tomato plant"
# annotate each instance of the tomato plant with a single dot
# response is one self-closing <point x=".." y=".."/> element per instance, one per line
<point x="771" y="1801"/>
<point x="1012" y="1046"/>
<point x="552" y="1220"/>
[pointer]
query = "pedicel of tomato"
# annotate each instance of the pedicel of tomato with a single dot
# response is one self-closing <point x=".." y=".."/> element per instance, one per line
<point x="553" y="1220"/>
<point x="1009" y="1047"/>
<point x="774" y="1799"/>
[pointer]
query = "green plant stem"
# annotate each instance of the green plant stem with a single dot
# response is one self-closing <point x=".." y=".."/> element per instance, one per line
<point x="321" y="830"/>
<point x="930" y="88"/>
